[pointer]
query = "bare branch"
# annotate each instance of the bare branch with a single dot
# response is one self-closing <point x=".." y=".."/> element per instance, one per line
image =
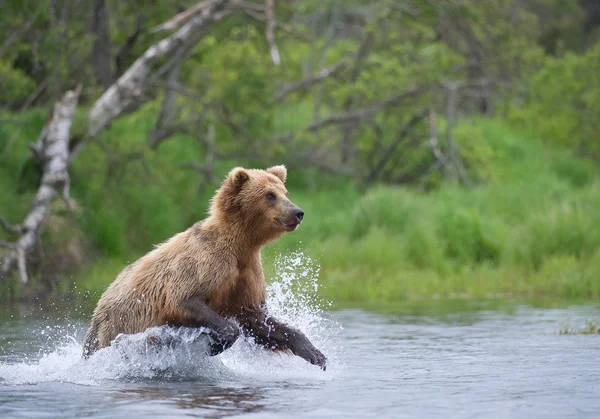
<point x="452" y="105"/>
<point x="347" y="144"/>
<point x="327" y="40"/>
<point x="306" y="84"/>
<point x="101" y="50"/>
<point x="361" y="114"/>
<point x="11" y="228"/>
<point x="166" y="114"/>
<point x="138" y="156"/>
<point x="433" y="142"/>
<point x="194" y="166"/>
<point x="130" y="85"/>
<point x="270" y="31"/>
<point x="15" y="34"/>
<point x="312" y="160"/>
<point x="35" y="94"/>
<point x="21" y="264"/>
<point x="352" y="117"/>
<point x="172" y="85"/>
<point x="251" y="12"/>
<point x="178" y="20"/>
<point x="398" y="159"/>
<point x="6" y="244"/>
<point x="392" y="147"/>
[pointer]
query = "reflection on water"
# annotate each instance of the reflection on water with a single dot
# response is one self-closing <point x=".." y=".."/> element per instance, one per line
<point x="213" y="401"/>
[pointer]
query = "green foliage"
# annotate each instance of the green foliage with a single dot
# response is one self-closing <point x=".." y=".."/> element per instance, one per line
<point x="476" y="153"/>
<point x="563" y="102"/>
<point x="526" y="225"/>
<point x="466" y="236"/>
<point x="532" y="236"/>
<point x="383" y="208"/>
<point x="530" y="231"/>
<point x="15" y="85"/>
<point x="568" y="228"/>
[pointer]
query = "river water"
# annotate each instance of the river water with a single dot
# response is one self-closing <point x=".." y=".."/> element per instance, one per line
<point x="480" y="361"/>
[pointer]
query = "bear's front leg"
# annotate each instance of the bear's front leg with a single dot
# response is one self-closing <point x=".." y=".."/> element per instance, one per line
<point x="223" y="332"/>
<point x="272" y="334"/>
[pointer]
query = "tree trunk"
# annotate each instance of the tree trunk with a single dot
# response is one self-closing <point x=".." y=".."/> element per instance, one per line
<point x="101" y="51"/>
<point x="128" y="88"/>
<point x="52" y="150"/>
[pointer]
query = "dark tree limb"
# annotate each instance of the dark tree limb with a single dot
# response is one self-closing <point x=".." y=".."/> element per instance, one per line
<point x="101" y="55"/>
<point x="377" y="144"/>
<point x="306" y="84"/>
<point x="117" y="166"/>
<point x="312" y="160"/>
<point x="15" y="34"/>
<point x="35" y="94"/>
<point x="253" y="11"/>
<point x="180" y="19"/>
<point x="357" y="116"/>
<point x="167" y="111"/>
<point x="352" y="117"/>
<point x="124" y="52"/>
<point x="398" y="159"/>
<point x="177" y="87"/>
<point x="347" y="144"/>
<point x="7" y="245"/>
<point x="206" y="170"/>
<point x="53" y="150"/>
<point x="9" y="227"/>
<point x="394" y="145"/>
<point x="130" y="85"/>
<point x="328" y="39"/>
<point x="127" y="92"/>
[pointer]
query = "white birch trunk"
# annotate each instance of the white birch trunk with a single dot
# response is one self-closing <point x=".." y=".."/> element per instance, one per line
<point x="52" y="149"/>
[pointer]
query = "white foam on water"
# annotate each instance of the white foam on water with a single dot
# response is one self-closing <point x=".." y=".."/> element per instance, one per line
<point x="291" y="299"/>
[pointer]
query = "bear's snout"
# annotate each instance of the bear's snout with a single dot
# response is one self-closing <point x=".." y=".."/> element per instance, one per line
<point x="292" y="219"/>
<point x="299" y="214"/>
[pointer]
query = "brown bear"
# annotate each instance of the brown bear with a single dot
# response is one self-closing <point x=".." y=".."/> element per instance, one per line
<point x="211" y="274"/>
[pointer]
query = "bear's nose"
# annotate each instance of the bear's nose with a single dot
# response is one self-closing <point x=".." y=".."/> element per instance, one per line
<point x="299" y="214"/>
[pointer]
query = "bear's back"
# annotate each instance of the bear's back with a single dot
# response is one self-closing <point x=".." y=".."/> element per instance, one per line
<point x="198" y="262"/>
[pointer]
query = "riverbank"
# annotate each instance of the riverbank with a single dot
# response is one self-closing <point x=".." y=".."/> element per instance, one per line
<point x="528" y="229"/>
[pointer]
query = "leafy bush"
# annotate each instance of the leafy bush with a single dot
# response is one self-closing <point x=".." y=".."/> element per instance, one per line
<point x="563" y="102"/>
<point x="15" y="85"/>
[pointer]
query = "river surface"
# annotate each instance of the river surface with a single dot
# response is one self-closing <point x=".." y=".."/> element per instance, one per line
<point x="450" y="360"/>
<point x="478" y="364"/>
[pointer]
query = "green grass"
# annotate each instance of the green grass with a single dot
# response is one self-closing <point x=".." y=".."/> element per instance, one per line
<point x="591" y="328"/>
<point x="530" y="230"/>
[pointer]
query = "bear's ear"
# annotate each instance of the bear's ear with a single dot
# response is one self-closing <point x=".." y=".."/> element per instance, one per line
<point x="238" y="176"/>
<point x="279" y="171"/>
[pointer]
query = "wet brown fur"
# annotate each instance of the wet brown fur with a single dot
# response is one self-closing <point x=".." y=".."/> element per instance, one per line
<point x="216" y="261"/>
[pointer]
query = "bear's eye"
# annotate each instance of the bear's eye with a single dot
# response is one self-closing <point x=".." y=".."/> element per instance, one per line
<point x="271" y="196"/>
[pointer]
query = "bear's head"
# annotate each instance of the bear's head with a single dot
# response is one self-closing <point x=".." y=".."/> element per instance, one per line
<point x="256" y="202"/>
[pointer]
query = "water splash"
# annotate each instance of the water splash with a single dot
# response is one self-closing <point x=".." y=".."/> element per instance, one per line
<point x="292" y="298"/>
